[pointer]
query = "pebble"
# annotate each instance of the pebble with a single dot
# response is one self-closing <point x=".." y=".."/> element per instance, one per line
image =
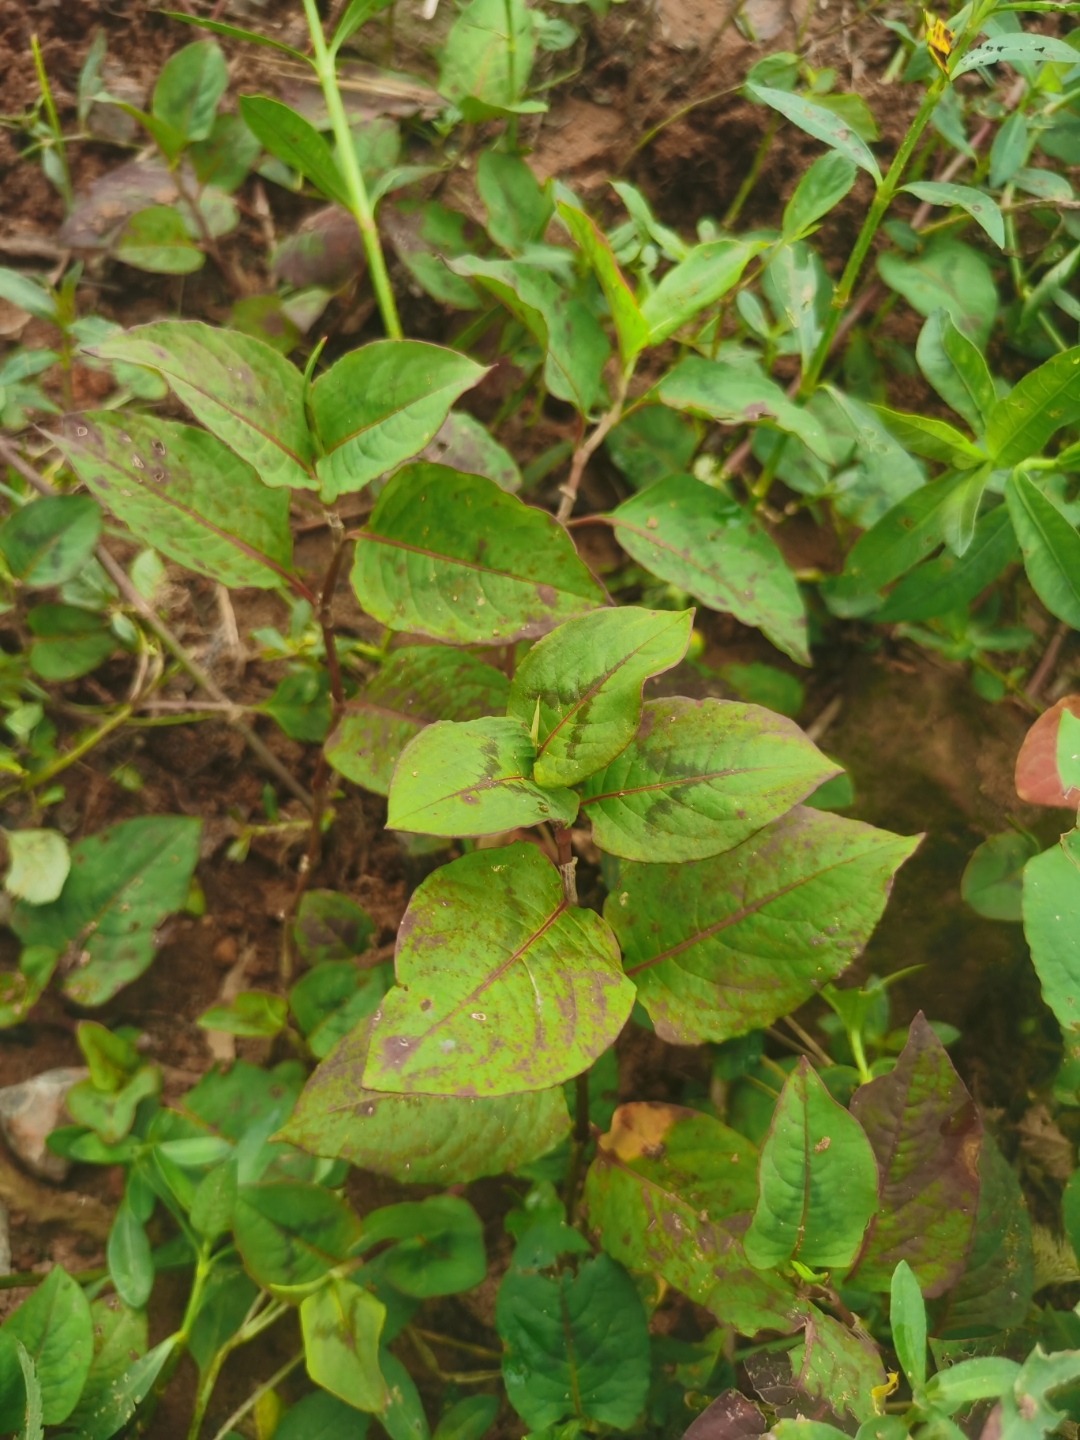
<point x="29" y="1111"/>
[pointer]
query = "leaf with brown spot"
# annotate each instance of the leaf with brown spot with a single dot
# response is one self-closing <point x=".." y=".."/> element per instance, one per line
<point x="502" y="986"/>
<point x="926" y="1133"/>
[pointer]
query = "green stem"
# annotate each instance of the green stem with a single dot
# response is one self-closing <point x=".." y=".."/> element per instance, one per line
<point x="354" y="180"/>
<point x="874" y="216"/>
<point x="54" y="122"/>
<point x="77" y="751"/>
<point x="855" y="1040"/>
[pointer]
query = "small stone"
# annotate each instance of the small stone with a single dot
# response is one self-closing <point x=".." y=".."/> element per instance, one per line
<point x="225" y="951"/>
<point x="28" y="1112"/>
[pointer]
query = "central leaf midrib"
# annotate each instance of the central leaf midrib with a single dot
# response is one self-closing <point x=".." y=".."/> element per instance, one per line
<point x="676" y="781"/>
<point x="385" y="416"/>
<point x="236" y="415"/>
<point x="376" y="538"/>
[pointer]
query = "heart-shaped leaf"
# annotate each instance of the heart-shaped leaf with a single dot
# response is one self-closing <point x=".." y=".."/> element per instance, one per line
<point x="502" y="986"/>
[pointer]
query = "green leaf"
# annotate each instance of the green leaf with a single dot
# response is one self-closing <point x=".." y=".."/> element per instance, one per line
<point x="462" y="443"/>
<point x="670" y="1191"/>
<point x="183" y="492"/>
<point x="68" y="641"/>
<point x="341" y="1325"/>
<point x="318" y="1415"/>
<point x="502" y="986"/>
<point x="440" y="1245"/>
<point x="902" y="537"/>
<point x="120" y="1335"/>
<point x="907" y="1316"/>
<point x="55" y="1327"/>
<point x="454" y="557"/>
<point x="575" y="1345"/>
<point x="820" y="122"/>
<point x="426" y="1139"/>
<point x="1067" y="752"/>
<point x="381" y="404"/>
<point x="155" y="239"/>
<point x="651" y="444"/>
<point x="579" y="689"/>
<point x="738" y="395"/>
<point x="992" y="882"/>
<point x="1026" y="1409"/>
<point x="725" y="945"/>
<point x="38" y="865"/>
<point x="994" y="1292"/>
<point x="1035" y="408"/>
<point x="301" y="703"/>
<point x="980" y="206"/>
<point x="487" y="57"/>
<point x="32" y="1428"/>
<point x="704" y="542"/>
<point x="403" y="1416"/>
<point x="131" y="1267"/>
<point x="631" y="326"/>
<point x="959" y="1385"/>
<point x="948" y="583"/>
<point x="936" y="439"/>
<point x="518" y="210"/>
<point x="123" y="882"/>
<point x="1007" y="48"/>
<point x="1051" y="909"/>
<point x="708" y="273"/>
<point x="837" y="1367"/>
<point x="293" y="140"/>
<point x="950" y="275"/>
<point x="471" y="1417"/>
<point x="955" y="367"/>
<point x="415" y="687"/>
<point x="925" y="1131"/>
<point x="121" y="1396"/>
<point x="27" y="294"/>
<point x="820" y="188"/>
<point x="49" y="541"/>
<point x="817" y="1180"/>
<point x="226" y="156"/>
<point x="247" y="394"/>
<point x="252" y="1012"/>
<point x="330" y="926"/>
<point x="1050" y="546"/>
<point x="292" y="1234"/>
<point x="472" y="777"/>
<point x="573" y="341"/>
<point x="798" y="289"/>
<point x="700" y="777"/>
<point x="188" y="88"/>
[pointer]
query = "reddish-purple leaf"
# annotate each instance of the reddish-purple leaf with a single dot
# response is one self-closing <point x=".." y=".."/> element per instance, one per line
<point x="731" y="1416"/>
<point x="926" y="1132"/>
<point x="1037" y="779"/>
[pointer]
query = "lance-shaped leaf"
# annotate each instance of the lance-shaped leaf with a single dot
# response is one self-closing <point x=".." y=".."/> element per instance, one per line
<point x="418" y="685"/>
<point x="995" y="1290"/>
<point x="122" y="883"/>
<point x="1033" y="49"/>
<point x="572" y="339"/>
<point x="698" y="778"/>
<point x="381" y="404"/>
<point x="704" y="542"/>
<point x="925" y="1132"/>
<point x="1051" y="906"/>
<point x="240" y="388"/>
<point x="576" y="1345"/>
<point x="454" y="557"/>
<point x="631" y="327"/>
<point x="579" y="689"/>
<point x="1050" y="545"/>
<point x="820" y="122"/>
<point x="936" y="439"/>
<point x="817" y="1180"/>
<point x="725" y="945"/>
<point x="503" y="986"/>
<point x="707" y="272"/>
<point x="472" y="777"/>
<point x="1042" y="402"/>
<point x="947" y="582"/>
<point x="670" y="1191"/>
<point x="295" y="141"/>
<point x="422" y="1139"/>
<point x="837" y="1367"/>
<point x="980" y="206"/>
<point x="183" y="492"/>
<point x="735" y="395"/>
<point x="955" y="367"/>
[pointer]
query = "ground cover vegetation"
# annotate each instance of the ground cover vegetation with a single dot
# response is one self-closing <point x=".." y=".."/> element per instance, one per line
<point x="814" y="1230"/>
